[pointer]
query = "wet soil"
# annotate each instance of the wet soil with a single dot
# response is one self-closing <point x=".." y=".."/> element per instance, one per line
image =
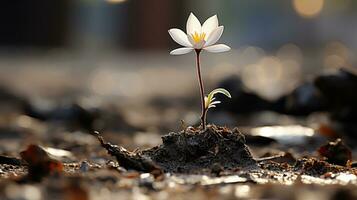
<point x="190" y="151"/>
<point x="226" y="170"/>
<point x="195" y="150"/>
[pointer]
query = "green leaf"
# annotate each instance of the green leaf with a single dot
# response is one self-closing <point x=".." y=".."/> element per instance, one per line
<point x="219" y="90"/>
<point x="209" y="103"/>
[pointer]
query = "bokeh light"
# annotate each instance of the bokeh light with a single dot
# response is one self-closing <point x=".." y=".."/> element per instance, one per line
<point x="336" y="55"/>
<point x="271" y="77"/>
<point x="290" y="52"/>
<point x="308" y="8"/>
<point x="115" y="1"/>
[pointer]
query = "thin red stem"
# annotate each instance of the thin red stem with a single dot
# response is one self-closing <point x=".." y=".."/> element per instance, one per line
<point x="202" y="90"/>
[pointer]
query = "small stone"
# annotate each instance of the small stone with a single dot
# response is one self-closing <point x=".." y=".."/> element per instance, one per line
<point x="216" y="169"/>
<point x="84" y="167"/>
<point x="336" y="153"/>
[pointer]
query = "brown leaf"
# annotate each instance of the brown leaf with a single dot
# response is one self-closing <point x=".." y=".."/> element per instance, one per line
<point x="40" y="163"/>
<point x="336" y="152"/>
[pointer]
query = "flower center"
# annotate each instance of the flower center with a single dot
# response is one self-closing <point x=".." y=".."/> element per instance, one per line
<point x="198" y="37"/>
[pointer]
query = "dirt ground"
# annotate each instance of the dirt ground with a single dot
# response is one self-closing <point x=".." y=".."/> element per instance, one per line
<point x="152" y="148"/>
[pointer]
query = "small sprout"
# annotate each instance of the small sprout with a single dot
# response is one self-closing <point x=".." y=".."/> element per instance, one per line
<point x="210" y="99"/>
<point x="201" y="38"/>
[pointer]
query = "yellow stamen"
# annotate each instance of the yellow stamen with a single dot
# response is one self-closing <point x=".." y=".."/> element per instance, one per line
<point x="198" y="37"/>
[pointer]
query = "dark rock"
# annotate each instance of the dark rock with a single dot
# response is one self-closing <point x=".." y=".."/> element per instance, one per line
<point x="216" y="169"/>
<point x="10" y="132"/>
<point x="339" y="88"/>
<point x="243" y="101"/>
<point x="110" y="119"/>
<point x="10" y="160"/>
<point x="343" y="194"/>
<point x="74" y="115"/>
<point x="11" y="102"/>
<point x="336" y="153"/>
<point x="84" y="166"/>
<point x="354" y="164"/>
<point x="9" y="97"/>
<point x="340" y="91"/>
<point x="304" y="100"/>
<point x="332" y="93"/>
<point x="335" y="93"/>
<point x="79" y="117"/>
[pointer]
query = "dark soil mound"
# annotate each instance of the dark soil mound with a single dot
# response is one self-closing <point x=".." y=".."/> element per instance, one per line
<point x="194" y="150"/>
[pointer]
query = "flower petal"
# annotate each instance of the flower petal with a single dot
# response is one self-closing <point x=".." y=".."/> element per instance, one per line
<point x="215" y="102"/>
<point x="214" y="36"/>
<point x="179" y="37"/>
<point x="210" y="25"/>
<point x="193" y="25"/>
<point x="181" y="51"/>
<point x="217" y="48"/>
<point x="190" y="39"/>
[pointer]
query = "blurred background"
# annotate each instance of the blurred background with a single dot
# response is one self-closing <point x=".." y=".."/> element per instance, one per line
<point x="115" y="54"/>
<point x="84" y="43"/>
<point x="71" y="67"/>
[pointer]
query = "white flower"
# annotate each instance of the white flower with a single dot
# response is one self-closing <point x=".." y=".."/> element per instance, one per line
<point x="199" y="37"/>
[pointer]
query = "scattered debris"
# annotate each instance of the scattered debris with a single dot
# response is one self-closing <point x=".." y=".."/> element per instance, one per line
<point x="128" y="160"/>
<point x="40" y="164"/>
<point x="84" y="167"/>
<point x="59" y="154"/>
<point x="284" y="157"/>
<point x="336" y="152"/>
<point x="211" y="164"/>
<point x="315" y="167"/>
<point x="10" y="160"/>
